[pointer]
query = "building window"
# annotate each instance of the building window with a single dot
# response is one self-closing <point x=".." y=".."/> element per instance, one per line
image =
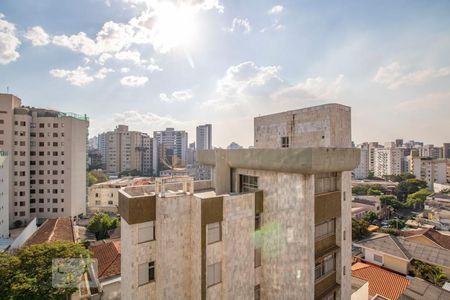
<point x="378" y="258"/>
<point x="325" y="182"/>
<point x="146" y="232"/>
<point x="257" y="257"/>
<point x="146" y="273"/>
<point x="248" y="183"/>
<point x="257" y="221"/>
<point x="325" y="266"/>
<point x="257" y="292"/>
<point x="325" y="229"/>
<point x="285" y="142"/>
<point x="213" y="232"/>
<point x="214" y="274"/>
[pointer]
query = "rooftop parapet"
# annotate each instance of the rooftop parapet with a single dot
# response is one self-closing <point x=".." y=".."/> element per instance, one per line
<point x="289" y="160"/>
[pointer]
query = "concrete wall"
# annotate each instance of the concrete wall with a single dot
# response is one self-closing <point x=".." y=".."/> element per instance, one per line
<point x="288" y="233"/>
<point x="344" y="236"/>
<point x="362" y="293"/>
<point x="326" y="125"/>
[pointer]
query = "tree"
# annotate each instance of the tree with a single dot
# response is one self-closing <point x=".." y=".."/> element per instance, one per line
<point x="370" y="217"/>
<point x="374" y="192"/>
<point x="391" y="201"/>
<point x="397" y="223"/>
<point x="28" y="275"/>
<point x="359" y="229"/>
<point x="360" y="190"/>
<point x="96" y="176"/>
<point x="409" y="186"/>
<point x="417" y="199"/>
<point x="429" y="272"/>
<point x="100" y="224"/>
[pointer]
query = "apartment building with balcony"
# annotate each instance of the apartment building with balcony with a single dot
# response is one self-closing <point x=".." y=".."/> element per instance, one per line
<point x="47" y="160"/>
<point x="171" y="150"/>
<point x="430" y="169"/>
<point x="277" y="224"/>
<point x="4" y="195"/>
<point x="388" y="161"/>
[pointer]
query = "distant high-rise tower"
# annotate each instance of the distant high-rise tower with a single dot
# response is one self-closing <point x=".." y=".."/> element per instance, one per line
<point x="171" y="147"/>
<point x="204" y="137"/>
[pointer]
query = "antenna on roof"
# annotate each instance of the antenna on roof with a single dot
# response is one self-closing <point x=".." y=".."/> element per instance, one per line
<point x="7" y="89"/>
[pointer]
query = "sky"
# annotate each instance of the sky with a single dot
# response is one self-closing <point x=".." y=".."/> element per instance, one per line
<point x="155" y="64"/>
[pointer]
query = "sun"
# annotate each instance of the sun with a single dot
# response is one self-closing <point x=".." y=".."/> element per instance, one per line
<point x="175" y="26"/>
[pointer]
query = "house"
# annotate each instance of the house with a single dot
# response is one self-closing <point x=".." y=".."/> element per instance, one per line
<point x="359" y="212"/>
<point x="383" y="284"/>
<point x="397" y="253"/>
<point x="420" y="289"/>
<point x="428" y="236"/>
<point x="107" y="275"/>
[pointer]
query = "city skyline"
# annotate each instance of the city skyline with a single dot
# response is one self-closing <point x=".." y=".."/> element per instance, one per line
<point x="94" y="56"/>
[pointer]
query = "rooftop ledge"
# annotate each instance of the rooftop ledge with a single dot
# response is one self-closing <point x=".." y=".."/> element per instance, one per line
<point x="289" y="160"/>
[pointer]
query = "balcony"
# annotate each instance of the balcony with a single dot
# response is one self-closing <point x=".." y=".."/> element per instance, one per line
<point x="325" y="274"/>
<point x="327" y="206"/>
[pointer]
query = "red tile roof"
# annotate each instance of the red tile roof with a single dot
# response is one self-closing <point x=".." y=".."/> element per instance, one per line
<point x="52" y="230"/>
<point x="108" y="257"/>
<point x="381" y="282"/>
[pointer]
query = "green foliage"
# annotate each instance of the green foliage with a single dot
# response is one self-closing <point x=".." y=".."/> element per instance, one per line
<point x="373" y="192"/>
<point x="368" y="189"/>
<point x="359" y="229"/>
<point x="360" y="190"/>
<point x="409" y="186"/>
<point x="391" y="201"/>
<point x="371" y="175"/>
<point x="399" y="178"/>
<point x="397" y="223"/>
<point x="390" y="231"/>
<point x="133" y="173"/>
<point x="370" y="217"/>
<point x="101" y="223"/>
<point x="417" y="199"/>
<point x="430" y="273"/>
<point x="28" y="275"/>
<point x="96" y="176"/>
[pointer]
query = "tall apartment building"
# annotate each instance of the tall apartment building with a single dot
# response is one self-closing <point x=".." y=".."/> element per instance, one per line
<point x="4" y="194"/>
<point x="362" y="170"/>
<point x="388" y="161"/>
<point x="126" y="150"/>
<point x="47" y="160"/>
<point x="372" y="148"/>
<point x="446" y="150"/>
<point x="430" y="170"/>
<point x="276" y="226"/>
<point x="204" y="137"/>
<point x="102" y="146"/>
<point x="171" y="148"/>
<point x="431" y="151"/>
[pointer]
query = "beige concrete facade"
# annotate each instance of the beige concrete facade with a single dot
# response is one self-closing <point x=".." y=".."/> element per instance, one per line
<point x="47" y="160"/>
<point x="431" y="170"/>
<point x="4" y="194"/>
<point x="284" y="217"/>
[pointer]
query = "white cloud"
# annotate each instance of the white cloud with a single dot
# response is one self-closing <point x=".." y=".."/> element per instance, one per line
<point x="277" y="9"/>
<point x="395" y="75"/>
<point x="133" y="56"/>
<point x="177" y="96"/>
<point x="146" y="122"/>
<point x="77" y="77"/>
<point x="124" y="70"/>
<point x="240" y="23"/>
<point x="101" y="74"/>
<point x="113" y="37"/>
<point x="104" y="57"/>
<point x="311" y="89"/>
<point x="248" y="84"/>
<point x="134" y="81"/>
<point x="37" y="36"/>
<point x="8" y="41"/>
<point x="242" y="83"/>
<point x="81" y="75"/>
